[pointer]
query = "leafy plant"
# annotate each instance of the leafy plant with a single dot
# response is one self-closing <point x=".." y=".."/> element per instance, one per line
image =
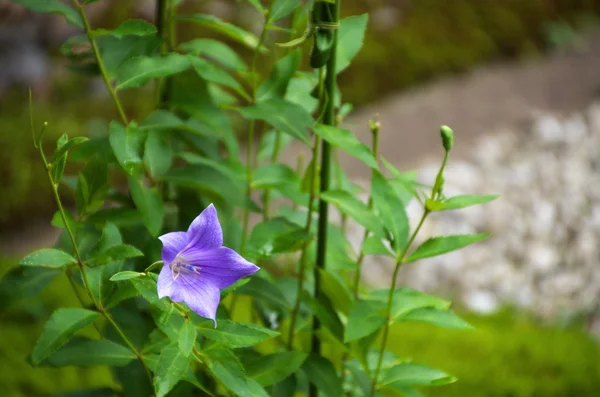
<point x="166" y="334"/>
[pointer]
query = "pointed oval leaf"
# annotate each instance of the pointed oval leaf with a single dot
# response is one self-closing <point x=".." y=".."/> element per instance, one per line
<point x="391" y="210"/>
<point x="132" y="27"/>
<point x="281" y="9"/>
<point x="226" y="368"/>
<point x="270" y="369"/>
<point x="237" y="334"/>
<point x="405" y="300"/>
<point x="86" y="353"/>
<point x="149" y="204"/>
<point x="172" y="366"/>
<point x="351" y="35"/>
<point x="346" y="141"/>
<point x="53" y="7"/>
<point x="466" y="200"/>
<point x="126" y="275"/>
<point x="216" y="51"/>
<point x="356" y="209"/>
<point x="365" y="318"/>
<point x="137" y="71"/>
<point x="440" y="245"/>
<point x="323" y="375"/>
<point x="187" y="337"/>
<point x="58" y="330"/>
<point x="411" y="374"/>
<point x="114" y="254"/>
<point x="48" y="257"/>
<point x="127" y="144"/>
<point x="441" y="318"/>
<point x="228" y="29"/>
<point x="277" y="83"/>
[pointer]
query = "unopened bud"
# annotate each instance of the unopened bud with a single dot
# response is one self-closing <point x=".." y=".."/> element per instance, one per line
<point x="447" y="137"/>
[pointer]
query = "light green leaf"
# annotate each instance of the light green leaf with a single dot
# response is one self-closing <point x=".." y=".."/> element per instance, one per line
<point x="336" y="289"/>
<point x="98" y="277"/>
<point x="187" y="337"/>
<point x="158" y="154"/>
<point x="171" y="368"/>
<point x="351" y="35"/>
<point x="115" y="51"/>
<point x="270" y="369"/>
<point x="346" y="141"/>
<point x="405" y="300"/>
<point x="441" y="318"/>
<point x="113" y="254"/>
<point x="256" y="4"/>
<point x="281" y="9"/>
<point x="391" y="210"/>
<point x="127" y="145"/>
<point x="87" y="353"/>
<point x="323" y="375"/>
<point x="365" y="318"/>
<point x="133" y="27"/>
<point x="92" y="185"/>
<point x="48" y="257"/>
<point x="282" y="115"/>
<point x="411" y="374"/>
<point x="440" y="245"/>
<point x="53" y="7"/>
<point x="273" y="175"/>
<point x="216" y="51"/>
<point x="237" y="334"/>
<point x="374" y="246"/>
<point x="150" y="205"/>
<point x="322" y="308"/>
<point x="59" y="329"/>
<point x="135" y="72"/>
<point x="356" y="209"/>
<point x="126" y="275"/>
<point x="229" y="30"/>
<point x="147" y="288"/>
<point x="227" y="369"/>
<point x="277" y="83"/>
<point x="213" y="74"/>
<point x="467" y="200"/>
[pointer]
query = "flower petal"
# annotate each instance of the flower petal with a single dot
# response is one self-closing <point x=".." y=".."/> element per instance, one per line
<point x="205" y="231"/>
<point x="165" y="284"/>
<point x="221" y="266"/>
<point x="173" y="243"/>
<point x="199" y="294"/>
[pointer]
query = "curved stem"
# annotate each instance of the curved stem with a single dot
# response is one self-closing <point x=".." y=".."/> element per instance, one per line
<point x="103" y="72"/>
<point x="390" y="300"/>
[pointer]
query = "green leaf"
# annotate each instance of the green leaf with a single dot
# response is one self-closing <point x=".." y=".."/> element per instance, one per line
<point x="406" y="300"/>
<point x="356" y="209"/>
<point x="351" y="35"/>
<point x="229" y="30"/>
<point x="135" y="72"/>
<point x="158" y="154"/>
<point x="270" y="369"/>
<point x="467" y="200"/>
<point x="374" y="246"/>
<point x="391" y="210"/>
<point x="150" y="205"/>
<point x="53" y="7"/>
<point x="58" y="330"/>
<point x="98" y="277"/>
<point x="335" y="288"/>
<point x="441" y="318"/>
<point x="126" y="275"/>
<point x="275" y="236"/>
<point x="63" y="149"/>
<point x="256" y="4"/>
<point x="187" y="337"/>
<point x="147" y="288"/>
<point x="282" y="115"/>
<point x="323" y="375"/>
<point x="228" y="370"/>
<point x="113" y="254"/>
<point x="24" y="282"/>
<point x="237" y="334"/>
<point x="115" y="51"/>
<point x="171" y="368"/>
<point x="273" y="175"/>
<point x="212" y="73"/>
<point x="281" y="9"/>
<point x="277" y="83"/>
<point x="48" y="257"/>
<point x="322" y="308"/>
<point x="92" y="185"/>
<point x="440" y="245"/>
<point x="216" y="51"/>
<point x="127" y="144"/>
<point x="365" y="318"/>
<point x="411" y="374"/>
<point x="87" y="353"/>
<point x="133" y="27"/>
<point x="346" y="141"/>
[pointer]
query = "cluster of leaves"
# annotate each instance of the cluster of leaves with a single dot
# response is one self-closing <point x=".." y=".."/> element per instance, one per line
<point x="312" y="331"/>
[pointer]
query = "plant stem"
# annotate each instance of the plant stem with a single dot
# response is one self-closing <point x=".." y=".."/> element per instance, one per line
<point x="303" y="255"/>
<point x="328" y="119"/>
<point x="165" y="11"/>
<point x="390" y="300"/>
<point x="103" y="72"/>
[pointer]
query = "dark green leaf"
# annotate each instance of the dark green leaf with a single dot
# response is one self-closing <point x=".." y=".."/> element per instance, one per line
<point x="171" y="368"/>
<point x="322" y="308"/>
<point x="277" y="83"/>
<point x="468" y="200"/>
<point x="63" y="149"/>
<point x="365" y="318"/>
<point x="265" y="292"/>
<point x="59" y="329"/>
<point x="350" y="39"/>
<point x="440" y="245"/>
<point x="411" y="374"/>
<point x="48" y="257"/>
<point x="356" y="209"/>
<point x="87" y="353"/>
<point x="53" y="7"/>
<point x="158" y="154"/>
<point x="98" y="277"/>
<point x="24" y="282"/>
<point x="150" y="205"/>
<point x="115" y="51"/>
<point x="135" y="72"/>
<point x="346" y="141"/>
<point x="127" y="145"/>
<point x="133" y="27"/>
<point x="92" y="186"/>
<point x="187" y="337"/>
<point x="215" y="50"/>
<point x="322" y="374"/>
<point x="126" y="275"/>
<point x="114" y="254"/>
<point x="230" y="30"/>
<point x="237" y="334"/>
<point x="441" y="318"/>
<point x="227" y="369"/>
<point x="273" y="237"/>
<point x="391" y="210"/>
<point x="335" y="288"/>
<point x="282" y="115"/>
<point x="273" y="368"/>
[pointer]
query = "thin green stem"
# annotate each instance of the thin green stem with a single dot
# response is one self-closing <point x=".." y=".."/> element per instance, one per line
<point x="388" y="310"/>
<point x="304" y="254"/>
<point x="165" y="12"/>
<point x="328" y="119"/>
<point x="90" y="34"/>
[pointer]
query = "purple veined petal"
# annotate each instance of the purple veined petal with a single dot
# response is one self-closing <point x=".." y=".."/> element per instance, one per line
<point x="221" y="266"/>
<point x="165" y="284"/>
<point x="205" y="231"/>
<point x="173" y="243"/>
<point x="198" y="293"/>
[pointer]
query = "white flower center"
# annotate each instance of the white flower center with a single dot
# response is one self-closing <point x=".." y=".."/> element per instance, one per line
<point x="180" y="265"/>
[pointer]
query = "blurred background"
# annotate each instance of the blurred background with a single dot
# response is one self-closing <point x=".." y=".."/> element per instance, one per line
<point x="518" y="80"/>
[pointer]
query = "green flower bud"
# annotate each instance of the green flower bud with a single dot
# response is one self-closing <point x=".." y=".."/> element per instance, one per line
<point x="447" y="137"/>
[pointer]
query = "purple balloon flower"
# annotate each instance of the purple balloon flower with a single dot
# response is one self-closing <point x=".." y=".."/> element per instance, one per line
<point x="197" y="266"/>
